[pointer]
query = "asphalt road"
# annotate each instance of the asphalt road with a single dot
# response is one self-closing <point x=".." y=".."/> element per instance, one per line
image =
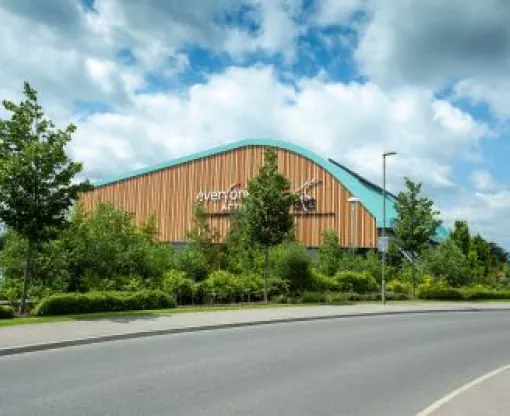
<point x="393" y="365"/>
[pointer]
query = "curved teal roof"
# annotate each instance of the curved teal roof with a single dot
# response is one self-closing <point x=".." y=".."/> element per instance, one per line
<point x="370" y="195"/>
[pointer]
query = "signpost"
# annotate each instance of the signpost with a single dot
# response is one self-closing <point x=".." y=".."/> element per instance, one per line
<point x="383" y="244"/>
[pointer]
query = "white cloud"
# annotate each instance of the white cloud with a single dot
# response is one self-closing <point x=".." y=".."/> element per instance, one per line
<point x="352" y="122"/>
<point x="483" y="181"/>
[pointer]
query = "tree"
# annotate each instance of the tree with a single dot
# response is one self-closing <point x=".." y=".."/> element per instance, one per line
<point x="36" y="176"/>
<point x="460" y="236"/>
<point x="447" y="261"/>
<point x="416" y="221"/>
<point x="266" y="209"/>
<point x="330" y="252"/>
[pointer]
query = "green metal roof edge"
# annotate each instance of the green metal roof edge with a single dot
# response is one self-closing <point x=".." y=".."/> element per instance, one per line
<point x="369" y="198"/>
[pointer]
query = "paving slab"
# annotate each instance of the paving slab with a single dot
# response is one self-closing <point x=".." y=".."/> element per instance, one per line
<point x="34" y="337"/>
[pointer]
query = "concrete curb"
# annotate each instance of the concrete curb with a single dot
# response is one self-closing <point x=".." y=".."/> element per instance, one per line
<point x="142" y="334"/>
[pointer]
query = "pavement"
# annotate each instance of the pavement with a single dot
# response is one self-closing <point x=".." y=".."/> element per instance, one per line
<point x="35" y="337"/>
<point x="358" y="365"/>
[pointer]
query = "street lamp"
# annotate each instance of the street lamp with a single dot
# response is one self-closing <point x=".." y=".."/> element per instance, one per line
<point x="383" y="282"/>
<point x="352" y="201"/>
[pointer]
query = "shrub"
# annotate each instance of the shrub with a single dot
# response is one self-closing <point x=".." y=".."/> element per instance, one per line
<point x="358" y="282"/>
<point x="338" y="298"/>
<point x="178" y="285"/>
<point x="75" y="303"/>
<point x="292" y="262"/>
<point x="251" y="287"/>
<point x="320" y="282"/>
<point x="439" y="292"/>
<point x="277" y="286"/>
<point x="483" y="293"/>
<point x="399" y="286"/>
<point x="329" y="253"/>
<point x="447" y="261"/>
<point x="313" y="297"/>
<point x="6" y="312"/>
<point x="222" y="286"/>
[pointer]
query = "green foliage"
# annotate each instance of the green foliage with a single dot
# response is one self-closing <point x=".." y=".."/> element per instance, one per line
<point x="292" y="262"/>
<point x="439" y="289"/>
<point x="240" y="254"/>
<point x="330" y="253"/>
<point x="447" y="261"/>
<point x="461" y="236"/>
<point x="320" y="282"/>
<point x="266" y="209"/>
<point x="6" y="312"/>
<point x="76" y="303"/>
<point x="178" y="285"/>
<point x="359" y="282"/>
<point x="416" y="221"/>
<point x="11" y="289"/>
<point x="399" y="286"/>
<point x="370" y="263"/>
<point x="37" y="184"/>
<point x="222" y="286"/>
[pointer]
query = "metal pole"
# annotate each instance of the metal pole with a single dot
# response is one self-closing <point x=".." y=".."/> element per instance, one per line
<point x="352" y="228"/>
<point x="383" y="283"/>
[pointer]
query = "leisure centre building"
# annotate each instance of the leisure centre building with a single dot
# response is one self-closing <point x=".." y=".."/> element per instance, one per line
<point x="217" y="178"/>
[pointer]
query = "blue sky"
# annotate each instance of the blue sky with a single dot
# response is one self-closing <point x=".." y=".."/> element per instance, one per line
<point x="149" y="81"/>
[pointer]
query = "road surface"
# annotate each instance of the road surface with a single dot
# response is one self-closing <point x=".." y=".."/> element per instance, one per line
<point x="380" y="365"/>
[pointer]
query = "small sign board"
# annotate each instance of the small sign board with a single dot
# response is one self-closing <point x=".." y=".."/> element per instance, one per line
<point x="382" y="244"/>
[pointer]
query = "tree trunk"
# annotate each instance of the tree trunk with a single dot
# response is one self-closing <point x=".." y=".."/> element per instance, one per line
<point x="266" y="263"/>
<point x="26" y="275"/>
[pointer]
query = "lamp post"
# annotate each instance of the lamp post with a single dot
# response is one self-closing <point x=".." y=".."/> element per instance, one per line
<point x="352" y="201"/>
<point x="383" y="281"/>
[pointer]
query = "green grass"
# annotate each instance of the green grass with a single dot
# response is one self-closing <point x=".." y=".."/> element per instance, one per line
<point x="127" y="314"/>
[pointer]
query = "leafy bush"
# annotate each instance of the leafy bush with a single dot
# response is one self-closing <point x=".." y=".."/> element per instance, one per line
<point x="483" y="293"/>
<point x="193" y="262"/>
<point x="321" y="282"/>
<point x="252" y="287"/>
<point x="292" y="262"/>
<point x="313" y="297"/>
<point x="75" y="303"/>
<point x="437" y="289"/>
<point x="222" y="286"/>
<point x="6" y="312"/>
<point x="448" y="262"/>
<point x="358" y="282"/>
<point x="399" y="286"/>
<point x="178" y="285"/>
<point x="329" y="253"/>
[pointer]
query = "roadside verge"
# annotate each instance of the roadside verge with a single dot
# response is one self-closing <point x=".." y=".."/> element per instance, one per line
<point x="48" y="336"/>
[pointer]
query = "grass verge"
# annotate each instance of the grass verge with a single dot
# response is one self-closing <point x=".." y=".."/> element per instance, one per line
<point x="135" y="314"/>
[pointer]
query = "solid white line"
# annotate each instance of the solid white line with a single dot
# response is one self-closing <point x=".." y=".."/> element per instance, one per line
<point x="436" y="405"/>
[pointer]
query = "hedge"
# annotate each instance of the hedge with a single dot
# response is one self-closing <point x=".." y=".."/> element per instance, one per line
<point x="450" y="293"/>
<point x="342" y="297"/>
<point x="76" y="303"/>
<point x="6" y="312"/>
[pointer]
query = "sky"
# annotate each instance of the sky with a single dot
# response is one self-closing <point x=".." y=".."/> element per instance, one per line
<point x="148" y="81"/>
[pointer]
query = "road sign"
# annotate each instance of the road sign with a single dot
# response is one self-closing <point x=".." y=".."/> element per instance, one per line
<point x="382" y="244"/>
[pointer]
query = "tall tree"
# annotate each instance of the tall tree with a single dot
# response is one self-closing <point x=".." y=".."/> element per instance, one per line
<point x="461" y="236"/>
<point x="266" y="209"/>
<point x="416" y="221"/>
<point x="36" y="175"/>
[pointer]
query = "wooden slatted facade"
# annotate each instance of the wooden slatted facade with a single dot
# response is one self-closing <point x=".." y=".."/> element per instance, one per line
<point x="170" y="193"/>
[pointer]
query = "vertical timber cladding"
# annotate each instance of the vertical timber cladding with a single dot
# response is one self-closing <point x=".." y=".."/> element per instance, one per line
<point x="170" y="193"/>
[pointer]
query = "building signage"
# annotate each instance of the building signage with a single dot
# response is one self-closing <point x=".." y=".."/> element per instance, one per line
<point x="231" y="198"/>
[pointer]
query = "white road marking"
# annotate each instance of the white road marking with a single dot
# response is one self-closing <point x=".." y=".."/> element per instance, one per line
<point x="436" y="405"/>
